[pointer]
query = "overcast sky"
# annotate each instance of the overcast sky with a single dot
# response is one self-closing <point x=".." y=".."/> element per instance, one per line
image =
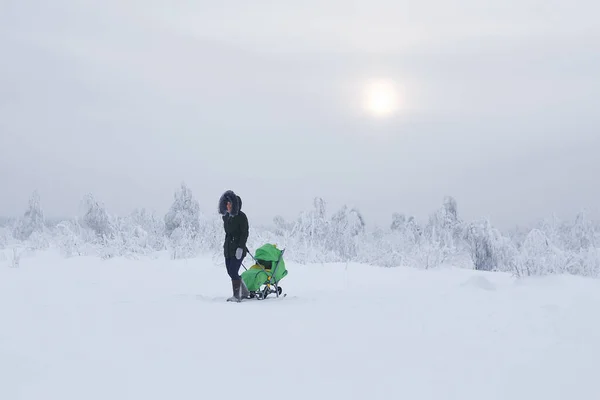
<point x="499" y="105"/>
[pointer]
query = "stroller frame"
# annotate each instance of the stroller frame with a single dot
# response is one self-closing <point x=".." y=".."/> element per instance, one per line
<point x="262" y="294"/>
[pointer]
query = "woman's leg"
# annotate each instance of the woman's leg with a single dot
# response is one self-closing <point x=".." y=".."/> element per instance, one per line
<point x="233" y="268"/>
<point x="239" y="289"/>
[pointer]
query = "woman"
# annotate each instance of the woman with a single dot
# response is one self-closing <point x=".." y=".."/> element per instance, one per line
<point x="236" y="228"/>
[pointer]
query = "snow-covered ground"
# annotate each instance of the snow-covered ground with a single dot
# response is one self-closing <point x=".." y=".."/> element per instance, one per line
<point x="83" y="328"/>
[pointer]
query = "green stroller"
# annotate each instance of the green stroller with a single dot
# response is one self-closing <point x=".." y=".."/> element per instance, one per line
<point x="262" y="279"/>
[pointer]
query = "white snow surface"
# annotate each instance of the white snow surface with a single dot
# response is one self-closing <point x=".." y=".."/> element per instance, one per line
<point x="84" y="329"/>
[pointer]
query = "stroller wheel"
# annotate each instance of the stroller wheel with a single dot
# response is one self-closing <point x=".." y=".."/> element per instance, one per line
<point x="263" y="293"/>
<point x="279" y="290"/>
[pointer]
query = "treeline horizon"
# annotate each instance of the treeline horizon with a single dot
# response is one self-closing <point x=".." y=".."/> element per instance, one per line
<point x="317" y="235"/>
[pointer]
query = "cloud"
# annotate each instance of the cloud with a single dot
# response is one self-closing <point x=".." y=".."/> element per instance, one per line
<point x="128" y="98"/>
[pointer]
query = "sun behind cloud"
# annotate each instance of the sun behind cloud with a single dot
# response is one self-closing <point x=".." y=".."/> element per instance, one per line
<point x="381" y="98"/>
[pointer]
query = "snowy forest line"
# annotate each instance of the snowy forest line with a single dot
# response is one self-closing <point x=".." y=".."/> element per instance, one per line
<point x="552" y="246"/>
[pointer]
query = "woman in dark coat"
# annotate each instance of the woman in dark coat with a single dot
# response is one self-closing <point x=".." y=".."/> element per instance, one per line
<point x="236" y="228"/>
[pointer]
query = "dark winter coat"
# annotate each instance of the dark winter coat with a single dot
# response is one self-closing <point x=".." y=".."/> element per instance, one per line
<point x="235" y="224"/>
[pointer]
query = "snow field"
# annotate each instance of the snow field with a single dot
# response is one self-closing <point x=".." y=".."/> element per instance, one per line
<point x="83" y="328"/>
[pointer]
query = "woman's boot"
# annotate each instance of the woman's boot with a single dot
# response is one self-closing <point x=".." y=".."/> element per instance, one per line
<point x="245" y="291"/>
<point x="236" y="286"/>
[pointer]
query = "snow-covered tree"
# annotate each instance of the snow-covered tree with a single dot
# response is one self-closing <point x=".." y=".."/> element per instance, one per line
<point x="315" y="225"/>
<point x="213" y="233"/>
<point x="183" y="241"/>
<point x="282" y="227"/>
<point x="483" y="243"/>
<point x="582" y="233"/>
<point x="398" y="222"/>
<point x="538" y="255"/>
<point x="69" y="239"/>
<point x="310" y="233"/>
<point x="550" y="246"/>
<point x="553" y="228"/>
<point x="32" y="221"/>
<point x="445" y="227"/>
<point x="346" y="226"/>
<point x="96" y="217"/>
<point x="150" y="227"/>
<point x="585" y="263"/>
<point x="406" y="228"/>
<point x="184" y="212"/>
<point x="4" y="237"/>
<point x="182" y="224"/>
